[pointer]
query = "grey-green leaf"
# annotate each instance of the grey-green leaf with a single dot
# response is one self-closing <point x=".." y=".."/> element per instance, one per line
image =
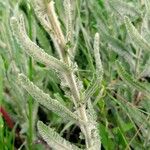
<point x="45" y="100"/>
<point x="123" y="8"/>
<point x="120" y="48"/>
<point x="131" y="81"/>
<point x="136" y="38"/>
<point x="95" y="83"/>
<point x="53" y="139"/>
<point x="32" y="49"/>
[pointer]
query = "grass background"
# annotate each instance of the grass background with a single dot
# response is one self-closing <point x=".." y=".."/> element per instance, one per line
<point x="122" y="109"/>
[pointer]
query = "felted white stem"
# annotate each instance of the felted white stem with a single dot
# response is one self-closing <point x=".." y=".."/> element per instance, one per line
<point x="80" y="108"/>
<point x="55" y="24"/>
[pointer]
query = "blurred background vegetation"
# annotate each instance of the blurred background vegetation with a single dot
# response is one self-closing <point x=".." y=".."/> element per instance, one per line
<point x="122" y="107"/>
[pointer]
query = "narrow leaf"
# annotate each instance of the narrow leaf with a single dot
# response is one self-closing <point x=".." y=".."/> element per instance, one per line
<point x="53" y="139"/>
<point x="123" y="8"/>
<point x="40" y="9"/>
<point x="45" y="12"/>
<point x="130" y="80"/>
<point x="45" y="100"/>
<point x="119" y="47"/>
<point x="136" y="38"/>
<point x="32" y="49"/>
<point x="99" y="70"/>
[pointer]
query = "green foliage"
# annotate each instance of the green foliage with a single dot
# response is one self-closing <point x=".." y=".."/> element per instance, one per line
<point x="97" y="88"/>
<point x="6" y="137"/>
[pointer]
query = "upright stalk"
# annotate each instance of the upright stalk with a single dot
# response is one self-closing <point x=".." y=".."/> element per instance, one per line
<point x="70" y="76"/>
<point x="80" y="108"/>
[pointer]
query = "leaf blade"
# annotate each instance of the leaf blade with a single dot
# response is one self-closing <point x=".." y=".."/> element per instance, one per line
<point x="53" y="139"/>
<point x="130" y="80"/>
<point x="45" y="100"/>
<point x="18" y="28"/>
<point x="136" y="38"/>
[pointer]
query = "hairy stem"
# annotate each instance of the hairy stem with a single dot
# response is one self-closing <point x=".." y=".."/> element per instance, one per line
<point x="81" y="109"/>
